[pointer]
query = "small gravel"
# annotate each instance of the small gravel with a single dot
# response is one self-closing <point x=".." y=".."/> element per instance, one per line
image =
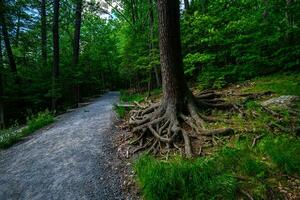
<point x="73" y="158"/>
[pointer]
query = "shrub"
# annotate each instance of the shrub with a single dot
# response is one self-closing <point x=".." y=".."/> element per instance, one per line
<point x="12" y="135"/>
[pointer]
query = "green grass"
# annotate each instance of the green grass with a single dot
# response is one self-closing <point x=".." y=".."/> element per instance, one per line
<point x="282" y="84"/>
<point x="217" y="176"/>
<point x="10" y="136"/>
<point x="121" y="111"/>
<point x="284" y="151"/>
<point x="128" y="97"/>
<point x="183" y="179"/>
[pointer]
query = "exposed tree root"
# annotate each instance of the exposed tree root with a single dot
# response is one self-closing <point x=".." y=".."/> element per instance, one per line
<point x="163" y="126"/>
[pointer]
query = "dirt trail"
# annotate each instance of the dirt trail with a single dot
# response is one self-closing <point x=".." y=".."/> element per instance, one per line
<point x="71" y="159"/>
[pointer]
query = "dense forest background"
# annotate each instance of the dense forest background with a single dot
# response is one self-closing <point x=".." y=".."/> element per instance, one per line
<point x="223" y="41"/>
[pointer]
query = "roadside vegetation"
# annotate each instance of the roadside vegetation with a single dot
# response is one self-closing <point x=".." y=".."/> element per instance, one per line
<point x="10" y="136"/>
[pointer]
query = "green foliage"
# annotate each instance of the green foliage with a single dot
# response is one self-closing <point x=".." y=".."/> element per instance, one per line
<point x="8" y="137"/>
<point x="97" y="69"/>
<point x="284" y="151"/>
<point x="38" y="121"/>
<point x="131" y="97"/>
<point x="237" y="40"/>
<point x="14" y="134"/>
<point x="121" y="111"/>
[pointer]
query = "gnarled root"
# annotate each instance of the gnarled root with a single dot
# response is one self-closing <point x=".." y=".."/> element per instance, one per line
<point x="163" y="126"/>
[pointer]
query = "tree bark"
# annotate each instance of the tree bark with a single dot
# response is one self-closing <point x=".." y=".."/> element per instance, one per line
<point x="186" y="4"/>
<point x="174" y="85"/>
<point x="17" y="29"/>
<point x="10" y="55"/>
<point x="43" y="33"/>
<point x="2" y="123"/>
<point x="289" y="20"/>
<point x="76" y="46"/>
<point x="133" y="13"/>
<point x="55" y="71"/>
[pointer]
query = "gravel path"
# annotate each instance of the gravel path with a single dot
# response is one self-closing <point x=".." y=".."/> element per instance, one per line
<point x="71" y="159"/>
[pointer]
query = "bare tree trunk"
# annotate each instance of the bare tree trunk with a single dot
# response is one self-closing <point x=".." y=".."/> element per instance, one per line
<point x="2" y="123"/>
<point x="55" y="69"/>
<point x="151" y="26"/>
<point x="173" y="83"/>
<point x="204" y="5"/>
<point x="133" y="13"/>
<point x="17" y="30"/>
<point x="186" y="4"/>
<point x="10" y="56"/>
<point x="44" y="33"/>
<point x="76" y="47"/>
<point x="289" y="20"/>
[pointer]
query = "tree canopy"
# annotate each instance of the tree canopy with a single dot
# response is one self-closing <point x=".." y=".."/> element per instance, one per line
<point x="222" y="42"/>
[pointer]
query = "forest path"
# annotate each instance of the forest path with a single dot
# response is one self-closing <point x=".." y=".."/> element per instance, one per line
<point x="71" y="159"/>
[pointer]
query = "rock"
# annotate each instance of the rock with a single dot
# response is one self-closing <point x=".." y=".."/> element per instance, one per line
<point x="282" y="101"/>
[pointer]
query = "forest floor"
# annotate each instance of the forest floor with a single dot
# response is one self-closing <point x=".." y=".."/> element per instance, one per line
<point x="73" y="158"/>
<point x="259" y="161"/>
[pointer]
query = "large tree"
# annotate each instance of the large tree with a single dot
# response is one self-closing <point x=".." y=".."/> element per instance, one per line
<point x="76" y="46"/>
<point x="55" y="69"/>
<point x="178" y="109"/>
<point x="186" y="4"/>
<point x="2" y="124"/>
<point x="11" y="59"/>
<point x="43" y="32"/>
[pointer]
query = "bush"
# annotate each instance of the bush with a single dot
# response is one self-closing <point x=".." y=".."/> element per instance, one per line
<point x="10" y="136"/>
<point x="40" y="120"/>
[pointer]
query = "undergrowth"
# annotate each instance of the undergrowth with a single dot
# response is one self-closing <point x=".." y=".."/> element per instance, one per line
<point x="227" y="174"/>
<point x="10" y="136"/>
<point x="281" y="84"/>
<point x="235" y="168"/>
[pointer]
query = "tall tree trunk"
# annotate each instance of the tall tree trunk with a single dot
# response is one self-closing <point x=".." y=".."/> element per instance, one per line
<point x="186" y="4"/>
<point x="55" y="72"/>
<point x="173" y="83"/>
<point x="178" y="111"/>
<point x="204" y="5"/>
<point x="2" y="123"/>
<point x="133" y="11"/>
<point x="151" y="34"/>
<point x="44" y="33"/>
<point x="289" y="20"/>
<point x="76" y="46"/>
<point x="17" y="29"/>
<point x="10" y="55"/>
